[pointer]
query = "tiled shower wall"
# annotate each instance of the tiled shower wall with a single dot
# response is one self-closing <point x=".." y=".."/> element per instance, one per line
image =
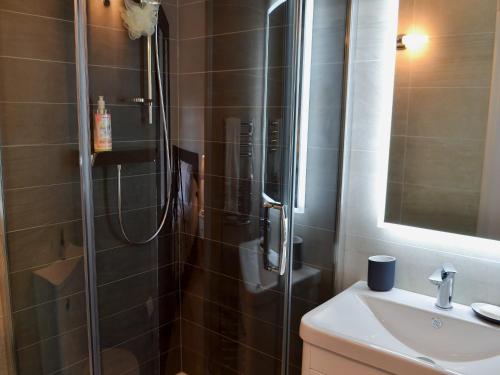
<point x="440" y="115"/>
<point x="137" y="285"/>
<point x="41" y="183"/>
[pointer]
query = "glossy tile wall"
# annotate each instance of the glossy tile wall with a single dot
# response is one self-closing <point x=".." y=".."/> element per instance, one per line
<point x="419" y="252"/>
<point x="221" y="56"/>
<point x="440" y="115"/>
<point x="41" y="185"/>
<point x="137" y="284"/>
<point x="221" y="53"/>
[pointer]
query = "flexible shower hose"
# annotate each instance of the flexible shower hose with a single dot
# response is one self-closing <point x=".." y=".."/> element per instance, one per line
<point x="169" y="163"/>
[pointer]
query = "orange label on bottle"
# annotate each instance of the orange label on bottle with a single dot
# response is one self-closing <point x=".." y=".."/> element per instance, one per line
<point x="102" y="132"/>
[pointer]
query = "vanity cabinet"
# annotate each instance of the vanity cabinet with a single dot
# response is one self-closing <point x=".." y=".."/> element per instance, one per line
<point x="317" y="361"/>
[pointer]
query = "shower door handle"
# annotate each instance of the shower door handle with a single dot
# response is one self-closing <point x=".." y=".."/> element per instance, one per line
<point x="270" y="204"/>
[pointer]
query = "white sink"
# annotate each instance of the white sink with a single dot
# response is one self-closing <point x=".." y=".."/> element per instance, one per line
<point x="403" y="333"/>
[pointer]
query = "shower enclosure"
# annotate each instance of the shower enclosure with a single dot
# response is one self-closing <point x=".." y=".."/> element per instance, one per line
<point x="253" y="97"/>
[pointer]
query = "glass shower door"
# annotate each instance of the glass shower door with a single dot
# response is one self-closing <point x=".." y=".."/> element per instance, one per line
<point x="235" y="133"/>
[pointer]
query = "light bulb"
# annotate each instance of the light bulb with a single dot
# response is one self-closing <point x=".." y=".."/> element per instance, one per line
<point x="414" y="42"/>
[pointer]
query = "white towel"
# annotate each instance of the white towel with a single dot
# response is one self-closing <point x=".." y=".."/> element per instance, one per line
<point x="232" y="166"/>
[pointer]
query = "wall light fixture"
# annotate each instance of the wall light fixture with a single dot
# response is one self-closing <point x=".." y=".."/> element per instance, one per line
<point x="413" y="42"/>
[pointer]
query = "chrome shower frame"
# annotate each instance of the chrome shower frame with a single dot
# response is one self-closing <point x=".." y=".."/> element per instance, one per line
<point x="86" y="189"/>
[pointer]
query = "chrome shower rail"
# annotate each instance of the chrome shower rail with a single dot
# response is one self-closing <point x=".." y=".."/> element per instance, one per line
<point x="84" y="139"/>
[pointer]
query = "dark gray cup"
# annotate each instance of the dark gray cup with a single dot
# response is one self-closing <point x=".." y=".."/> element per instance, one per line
<point x="381" y="271"/>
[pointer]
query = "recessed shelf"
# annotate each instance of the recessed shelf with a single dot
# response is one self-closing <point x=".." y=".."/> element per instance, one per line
<point x="146" y="155"/>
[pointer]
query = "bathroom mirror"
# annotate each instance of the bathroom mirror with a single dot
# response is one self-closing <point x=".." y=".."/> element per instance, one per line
<point x="274" y="77"/>
<point x="444" y="159"/>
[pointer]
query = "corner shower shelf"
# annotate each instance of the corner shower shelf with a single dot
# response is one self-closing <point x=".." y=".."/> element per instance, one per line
<point x="123" y="157"/>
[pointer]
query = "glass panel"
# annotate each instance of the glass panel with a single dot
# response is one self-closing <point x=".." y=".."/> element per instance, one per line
<point x="41" y="187"/>
<point x="315" y="218"/>
<point x="233" y="64"/>
<point x="137" y="284"/>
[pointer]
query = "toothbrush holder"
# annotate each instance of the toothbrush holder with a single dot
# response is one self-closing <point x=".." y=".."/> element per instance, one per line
<point x="381" y="272"/>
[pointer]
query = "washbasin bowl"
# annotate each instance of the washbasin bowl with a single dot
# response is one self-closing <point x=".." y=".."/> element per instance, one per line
<point x="403" y="333"/>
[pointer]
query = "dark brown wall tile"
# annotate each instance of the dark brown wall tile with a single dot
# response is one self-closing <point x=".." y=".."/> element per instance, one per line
<point x="31" y="207"/>
<point x="26" y="166"/>
<point x="33" y="123"/>
<point x="35" y="37"/>
<point x="42" y="246"/>
<point x="54" y="354"/>
<point x="58" y="317"/>
<point x="50" y="8"/>
<point x="37" y="81"/>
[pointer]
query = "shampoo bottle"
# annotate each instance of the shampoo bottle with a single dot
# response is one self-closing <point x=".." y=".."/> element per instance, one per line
<point x="102" y="128"/>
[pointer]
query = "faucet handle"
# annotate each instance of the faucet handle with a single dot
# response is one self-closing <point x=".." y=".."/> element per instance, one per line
<point x="449" y="269"/>
<point x="436" y="278"/>
<point x="444" y="272"/>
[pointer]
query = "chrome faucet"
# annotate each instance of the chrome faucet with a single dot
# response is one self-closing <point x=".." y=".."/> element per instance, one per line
<point x="444" y="278"/>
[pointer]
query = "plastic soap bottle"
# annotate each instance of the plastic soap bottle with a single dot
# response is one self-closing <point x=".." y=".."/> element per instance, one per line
<point x="102" y="128"/>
